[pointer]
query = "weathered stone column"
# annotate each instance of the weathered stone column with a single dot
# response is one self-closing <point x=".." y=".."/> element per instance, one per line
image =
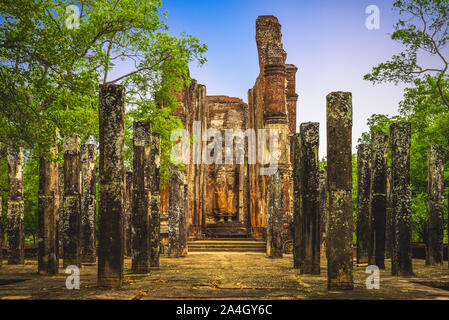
<point x="363" y="203"/>
<point x="323" y="209"/>
<point x="2" y="235"/>
<point x="298" y="236"/>
<point x="275" y="213"/>
<point x="401" y="259"/>
<point x="339" y="181"/>
<point x="48" y="207"/>
<point x="155" y="219"/>
<point x="59" y="219"/>
<point x="111" y="185"/>
<point x="176" y="200"/>
<point x="310" y="216"/>
<point x="15" y="214"/>
<point x="183" y="224"/>
<point x="88" y="202"/>
<point x="388" y="228"/>
<point x="128" y="214"/>
<point x="141" y="197"/>
<point x="72" y="201"/>
<point x="378" y="197"/>
<point x="292" y="96"/>
<point x="435" y="205"/>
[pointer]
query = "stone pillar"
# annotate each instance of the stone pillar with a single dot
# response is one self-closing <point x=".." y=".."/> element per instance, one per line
<point x="401" y="259"/>
<point x="363" y="203"/>
<point x="339" y="181"/>
<point x="15" y="214"/>
<point x="298" y="236"/>
<point x="435" y="205"/>
<point x="59" y="219"/>
<point x="183" y="224"/>
<point x="275" y="214"/>
<point x="323" y="210"/>
<point x="128" y="214"/>
<point x="388" y="230"/>
<point x="155" y="219"/>
<point x="176" y="200"/>
<point x="48" y="210"/>
<point x="2" y="236"/>
<point x="378" y="197"/>
<point x="310" y="216"/>
<point x="292" y="96"/>
<point x="72" y="201"/>
<point x="88" y="202"/>
<point x="111" y="185"/>
<point x="142" y="175"/>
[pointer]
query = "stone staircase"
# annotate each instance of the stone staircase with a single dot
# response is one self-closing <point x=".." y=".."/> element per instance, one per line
<point x="227" y="245"/>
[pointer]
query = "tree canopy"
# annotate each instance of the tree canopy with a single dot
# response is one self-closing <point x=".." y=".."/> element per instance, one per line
<point x="55" y="54"/>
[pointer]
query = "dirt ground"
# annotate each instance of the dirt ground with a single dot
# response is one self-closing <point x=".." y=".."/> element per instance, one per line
<point x="222" y="276"/>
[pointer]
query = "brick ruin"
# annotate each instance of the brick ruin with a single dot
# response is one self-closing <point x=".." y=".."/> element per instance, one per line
<point x="242" y="196"/>
<point x="230" y="199"/>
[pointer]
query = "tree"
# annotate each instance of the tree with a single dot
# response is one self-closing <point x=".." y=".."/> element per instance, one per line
<point x="423" y="28"/>
<point x="51" y="67"/>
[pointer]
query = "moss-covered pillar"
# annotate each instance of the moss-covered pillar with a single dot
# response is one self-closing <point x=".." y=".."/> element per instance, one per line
<point x="2" y="236"/>
<point x="378" y="196"/>
<point x="141" y="197"/>
<point x="388" y="228"/>
<point x="88" y="202"/>
<point x="363" y="229"/>
<point x="48" y="211"/>
<point x="59" y="219"/>
<point x="298" y="237"/>
<point x="128" y="214"/>
<point x="275" y="213"/>
<point x="310" y="222"/>
<point x="400" y="140"/>
<point x="72" y="201"/>
<point x="435" y="205"/>
<point x="176" y="200"/>
<point x="183" y="223"/>
<point x="339" y="248"/>
<point x="323" y="209"/>
<point x="155" y="218"/>
<point x="15" y="213"/>
<point x="111" y="185"/>
<point x="292" y="96"/>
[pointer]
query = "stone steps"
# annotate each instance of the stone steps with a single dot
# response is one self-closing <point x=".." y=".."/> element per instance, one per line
<point x="227" y="245"/>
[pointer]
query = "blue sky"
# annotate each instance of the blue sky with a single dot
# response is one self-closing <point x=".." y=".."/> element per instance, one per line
<point x="327" y="40"/>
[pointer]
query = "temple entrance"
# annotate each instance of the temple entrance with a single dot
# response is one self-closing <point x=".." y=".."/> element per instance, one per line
<point x="225" y="211"/>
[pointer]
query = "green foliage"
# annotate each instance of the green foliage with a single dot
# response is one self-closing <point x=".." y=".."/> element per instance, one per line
<point x="429" y="117"/>
<point x="423" y="29"/>
<point x="50" y="75"/>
